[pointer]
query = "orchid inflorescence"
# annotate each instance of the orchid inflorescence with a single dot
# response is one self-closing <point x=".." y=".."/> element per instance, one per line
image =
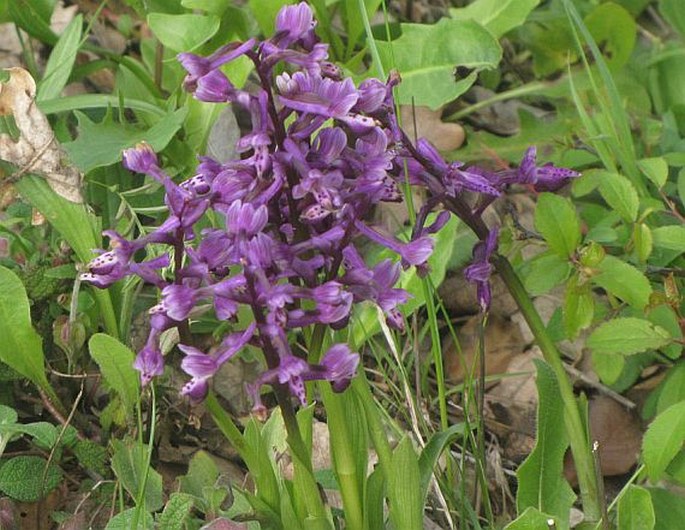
<point x="293" y="210"/>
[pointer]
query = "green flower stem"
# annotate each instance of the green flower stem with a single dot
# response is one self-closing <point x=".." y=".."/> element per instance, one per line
<point x="344" y="460"/>
<point x="379" y="437"/>
<point x="575" y="428"/>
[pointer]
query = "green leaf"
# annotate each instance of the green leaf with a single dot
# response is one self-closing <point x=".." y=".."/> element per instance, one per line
<point x="97" y="101"/>
<point x="202" y="472"/>
<point x="681" y="186"/>
<point x="643" y="240"/>
<point x="215" y="7"/>
<point x="22" y="478"/>
<point x="129" y="463"/>
<point x="556" y="220"/>
<point x="91" y="456"/>
<point x="116" y="365"/>
<point x="623" y="281"/>
<point x="374" y="500"/>
<point x="101" y="144"/>
<point x="61" y="61"/>
<point x="8" y="415"/>
<point x="672" y="11"/>
<point x="544" y="272"/>
<point x="635" y="510"/>
<point x="669" y="508"/>
<point x="124" y="521"/>
<point x="497" y="16"/>
<point x="579" y="307"/>
<point x="427" y="55"/>
<point x="33" y="16"/>
<point x="627" y="336"/>
<point x="531" y="519"/>
<point x="432" y="451"/>
<point x="20" y="347"/>
<point x="608" y="366"/>
<point x="183" y="33"/>
<point x="541" y="481"/>
<point x="663" y="440"/>
<point x="670" y="237"/>
<point x="655" y="169"/>
<point x="354" y="21"/>
<point x="619" y="193"/>
<point x="406" y="503"/>
<point x="615" y="30"/>
<point x="176" y="512"/>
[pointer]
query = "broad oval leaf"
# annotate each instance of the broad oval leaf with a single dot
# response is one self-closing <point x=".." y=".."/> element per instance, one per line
<point x="427" y="56"/>
<point x="663" y="440"/>
<point x="635" y="510"/>
<point x="655" y="169"/>
<point x="20" y="347"/>
<point x="497" y="16"/>
<point x="627" y="336"/>
<point x="20" y="478"/>
<point x="670" y="237"/>
<point x="556" y="219"/>
<point x="116" y="365"/>
<point x="623" y="281"/>
<point x="620" y="194"/>
<point x="183" y="33"/>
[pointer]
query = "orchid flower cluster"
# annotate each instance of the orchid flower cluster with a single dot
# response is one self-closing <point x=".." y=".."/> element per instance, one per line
<point x="293" y="210"/>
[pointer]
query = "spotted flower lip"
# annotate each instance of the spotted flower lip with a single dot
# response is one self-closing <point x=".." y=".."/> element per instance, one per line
<point x="543" y="178"/>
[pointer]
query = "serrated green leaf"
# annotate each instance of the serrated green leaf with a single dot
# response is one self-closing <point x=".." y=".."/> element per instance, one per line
<point x="20" y="347"/>
<point x="556" y="220"/>
<point x="655" y="169"/>
<point x="183" y="33"/>
<point x="22" y="478"/>
<point x="116" y="365"/>
<point x="544" y="272"/>
<point x="61" y="61"/>
<point x="176" y="512"/>
<point x="608" y="366"/>
<point x="91" y="456"/>
<point x="670" y="237"/>
<point x="620" y="194"/>
<point x="124" y="521"/>
<point x="406" y="503"/>
<point x="663" y="440"/>
<point x="623" y="281"/>
<point x="541" y="481"/>
<point x="497" y="16"/>
<point x="44" y="434"/>
<point x="635" y="510"/>
<point x="627" y="336"/>
<point x="129" y="463"/>
<point x="426" y="57"/>
<point x="101" y="144"/>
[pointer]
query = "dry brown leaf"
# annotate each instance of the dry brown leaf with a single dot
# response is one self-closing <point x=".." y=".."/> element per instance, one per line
<point x="444" y="136"/>
<point x="36" y="150"/>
